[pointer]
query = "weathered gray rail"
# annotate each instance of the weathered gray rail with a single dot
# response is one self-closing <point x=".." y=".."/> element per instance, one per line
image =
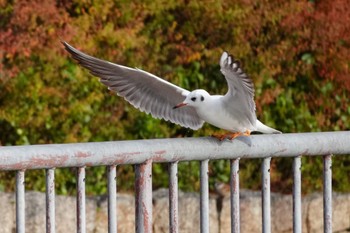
<point x="145" y="152"/>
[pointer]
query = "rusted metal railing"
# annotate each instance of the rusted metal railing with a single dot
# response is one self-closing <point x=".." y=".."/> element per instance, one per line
<point x="143" y="153"/>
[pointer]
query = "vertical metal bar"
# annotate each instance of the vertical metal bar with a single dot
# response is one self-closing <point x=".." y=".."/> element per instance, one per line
<point x="204" y="196"/>
<point x="327" y="194"/>
<point x="112" y="198"/>
<point x="50" y="200"/>
<point x="266" y="197"/>
<point x="297" y="224"/>
<point x="81" y="219"/>
<point x="143" y="199"/>
<point x="234" y="186"/>
<point x="20" y="202"/>
<point x="173" y="198"/>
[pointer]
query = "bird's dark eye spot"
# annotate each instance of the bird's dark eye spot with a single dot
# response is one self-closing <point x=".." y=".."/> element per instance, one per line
<point x="193" y="99"/>
<point x="202" y="98"/>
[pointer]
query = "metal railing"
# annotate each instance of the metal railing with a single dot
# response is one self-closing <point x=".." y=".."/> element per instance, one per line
<point x="143" y="153"/>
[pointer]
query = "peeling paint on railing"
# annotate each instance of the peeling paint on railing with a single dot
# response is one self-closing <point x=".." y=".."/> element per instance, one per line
<point x="171" y="150"/>
<point x="144" y="153"/>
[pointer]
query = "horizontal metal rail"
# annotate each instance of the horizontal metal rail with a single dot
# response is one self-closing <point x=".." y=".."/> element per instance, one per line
<point x="145" y="152"/>
<point x="172" y="150"/>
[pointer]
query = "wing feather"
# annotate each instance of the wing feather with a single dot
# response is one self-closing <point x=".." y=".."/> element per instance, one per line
<point x="143" y="90"/>
<point x="240" y="96"/>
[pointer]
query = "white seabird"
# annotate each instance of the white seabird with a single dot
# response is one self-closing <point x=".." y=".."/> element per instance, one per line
<point x="234" y="111"/>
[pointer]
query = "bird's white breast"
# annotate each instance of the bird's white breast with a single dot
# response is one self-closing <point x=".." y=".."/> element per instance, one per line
<point x="213" y="112"/>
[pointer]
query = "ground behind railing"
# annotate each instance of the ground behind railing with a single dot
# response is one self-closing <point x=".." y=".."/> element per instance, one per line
<point x="96" y="215"/>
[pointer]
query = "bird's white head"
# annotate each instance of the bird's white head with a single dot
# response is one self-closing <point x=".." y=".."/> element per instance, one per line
<point x="195" y="99"/>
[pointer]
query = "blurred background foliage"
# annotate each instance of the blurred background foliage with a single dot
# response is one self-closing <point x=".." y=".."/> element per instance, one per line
<point x="296" y="52"/>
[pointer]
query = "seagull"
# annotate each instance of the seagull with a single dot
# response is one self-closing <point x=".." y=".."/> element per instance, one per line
<point x="233" y="112"/>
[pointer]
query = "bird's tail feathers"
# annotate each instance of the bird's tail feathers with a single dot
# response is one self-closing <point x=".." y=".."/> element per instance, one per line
<point x="265" y="129"/>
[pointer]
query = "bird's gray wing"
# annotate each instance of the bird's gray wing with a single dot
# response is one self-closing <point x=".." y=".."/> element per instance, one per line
<point x="239" y="100"/>
<point x="143" y="90"/>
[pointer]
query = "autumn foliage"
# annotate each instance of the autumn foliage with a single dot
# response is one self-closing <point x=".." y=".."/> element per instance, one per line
<point x="297" y="53"/>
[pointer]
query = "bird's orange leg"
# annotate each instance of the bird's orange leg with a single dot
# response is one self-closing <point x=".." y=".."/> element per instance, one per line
<point x="238" y="134"/>
<point x="231" y="136"/>
<point x="219" y="136"/>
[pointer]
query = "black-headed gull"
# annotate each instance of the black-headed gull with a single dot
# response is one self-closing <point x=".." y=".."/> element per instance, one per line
<point x="234" y="112"/>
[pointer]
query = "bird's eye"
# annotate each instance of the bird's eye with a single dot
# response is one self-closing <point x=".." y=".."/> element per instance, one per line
<point x="193" y="99"/>
<point x="202" y="98"/>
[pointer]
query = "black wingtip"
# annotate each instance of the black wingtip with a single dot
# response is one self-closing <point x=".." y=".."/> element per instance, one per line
<point x="68" y="47"/>
<point x="64" y="43"/>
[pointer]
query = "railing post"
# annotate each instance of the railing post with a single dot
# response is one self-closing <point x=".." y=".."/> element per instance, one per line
<point x="112" y="198"/>
<point x="327" y="193"/>
<point x="50" y="200"/>
<point x="297" y="227"/>
<point x="143" y="199"/>
<point x="173" y="198"/>
<point x="234" y="186"/>
<point x="20" y="202"/>
<point x="204" y="197"/>
<point x="81" y="219"/>
<point x="266" y="196"/>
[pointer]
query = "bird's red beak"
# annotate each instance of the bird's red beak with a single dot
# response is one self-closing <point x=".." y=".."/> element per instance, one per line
<point x="179" y="105"/>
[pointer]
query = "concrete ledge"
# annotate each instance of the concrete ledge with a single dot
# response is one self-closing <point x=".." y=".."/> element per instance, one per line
<point x="188" y="213"/>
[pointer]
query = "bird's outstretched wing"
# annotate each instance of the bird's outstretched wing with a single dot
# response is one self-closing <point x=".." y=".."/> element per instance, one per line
<point x="143" y="90"/>
<point x="239" y="100"/>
